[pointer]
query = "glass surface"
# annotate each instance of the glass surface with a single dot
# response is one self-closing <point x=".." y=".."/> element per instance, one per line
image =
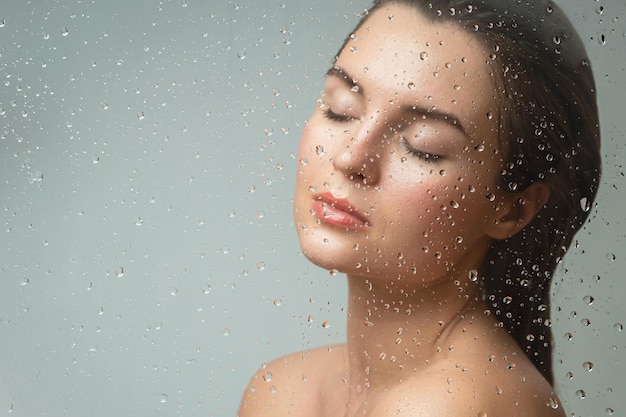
<point x="148" y="259"/>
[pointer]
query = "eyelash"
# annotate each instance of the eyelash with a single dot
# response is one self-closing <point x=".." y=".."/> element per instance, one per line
<point x="425" y="156"/>
<point x="331" y="115"/>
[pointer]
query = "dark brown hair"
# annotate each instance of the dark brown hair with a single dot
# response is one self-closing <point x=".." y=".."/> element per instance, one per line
<point x="549" y="132"/>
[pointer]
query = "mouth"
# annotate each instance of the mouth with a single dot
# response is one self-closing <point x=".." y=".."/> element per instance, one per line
<point x="338" y="212"/>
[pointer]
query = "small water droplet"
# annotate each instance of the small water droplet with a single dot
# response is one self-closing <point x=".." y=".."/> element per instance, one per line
<point x="618" y="327"/>
<point x="326" y="324"/>
<point x="588" y="366"/>
<point x="319" y="150"/>
<point x="552" y="403"/>
<point x="278" y="302"/>
<point x="411" y="85"/>
<point x="424" y="55"/>
<point x="585" y="205"/>
<point x="225" y="331"/>
<point x="267" y="377"/>
<point x="581" y="394"/>
<point x="260" y="265"/>
<point x="473" y="275"/>
<point x="588" y="299"/>
<point x="64" y="31"/>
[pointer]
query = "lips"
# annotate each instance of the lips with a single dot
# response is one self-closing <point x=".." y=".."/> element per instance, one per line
<point x="338" y="212"/>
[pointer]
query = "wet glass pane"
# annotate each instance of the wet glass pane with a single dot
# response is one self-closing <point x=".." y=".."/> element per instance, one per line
<point x="148" y="259"/>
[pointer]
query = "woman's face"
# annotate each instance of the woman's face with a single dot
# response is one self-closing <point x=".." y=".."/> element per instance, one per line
<point x="399" y="162"/>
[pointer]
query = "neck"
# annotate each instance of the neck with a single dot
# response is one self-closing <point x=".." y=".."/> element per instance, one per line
<point x="394" y="329"/>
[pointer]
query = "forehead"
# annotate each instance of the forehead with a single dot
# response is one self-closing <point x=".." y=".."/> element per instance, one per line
<point x="398" y="55"/>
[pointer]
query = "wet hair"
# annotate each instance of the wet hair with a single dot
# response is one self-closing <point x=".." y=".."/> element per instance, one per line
<point x="548" y="131"/>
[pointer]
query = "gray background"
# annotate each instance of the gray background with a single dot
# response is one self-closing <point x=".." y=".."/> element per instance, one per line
<point x="148" y="262"/>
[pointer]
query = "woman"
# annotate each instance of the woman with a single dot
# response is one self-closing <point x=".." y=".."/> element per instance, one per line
<point x="452" y="157"/>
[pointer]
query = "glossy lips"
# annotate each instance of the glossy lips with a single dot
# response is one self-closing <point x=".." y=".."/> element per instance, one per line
<point x="338" y="212"/>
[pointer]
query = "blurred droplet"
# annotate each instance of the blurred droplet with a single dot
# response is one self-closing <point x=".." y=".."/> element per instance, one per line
<point x="278" y="302"/>
<point x="326" y="324"/>
<point x="225" y="331"/>
<point x="473" y="275"/>
<point x="260" y="265"/>
<point x="588" y="299"/>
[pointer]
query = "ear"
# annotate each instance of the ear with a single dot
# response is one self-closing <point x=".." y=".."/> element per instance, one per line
<point x="519" y="209"/>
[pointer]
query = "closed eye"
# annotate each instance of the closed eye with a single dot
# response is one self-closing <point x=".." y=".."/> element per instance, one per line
<point x="425" y="156"/>
<point x="331" y="115"/>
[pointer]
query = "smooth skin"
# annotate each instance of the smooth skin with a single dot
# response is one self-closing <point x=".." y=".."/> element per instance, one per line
<point x="398" y="188"/>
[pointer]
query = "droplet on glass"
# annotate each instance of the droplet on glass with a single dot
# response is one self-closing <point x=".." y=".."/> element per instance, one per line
<point x="588" y="366"/>
<point x="424" y="55"/>
<point x="473" y="275"/>
<point x="411" y="85"/>
<point x="585" y="204"/>
<point x="326" y="324"/>
<point x="581" y="394"/>
<point x="588" y="299"/>
<point x="319" y="150"/>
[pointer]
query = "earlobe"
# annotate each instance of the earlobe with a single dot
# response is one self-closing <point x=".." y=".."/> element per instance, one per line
<point x="519" y="209"/>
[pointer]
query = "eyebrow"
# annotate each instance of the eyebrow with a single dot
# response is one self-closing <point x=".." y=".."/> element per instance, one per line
<point x="418" y="111"/>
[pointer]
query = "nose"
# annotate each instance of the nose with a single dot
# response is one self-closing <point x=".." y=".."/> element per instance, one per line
<point x="360" y="158"/>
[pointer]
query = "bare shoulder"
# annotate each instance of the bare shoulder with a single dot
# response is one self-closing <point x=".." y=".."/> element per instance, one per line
<point x="295" y="384"/>
<point x="489" y="380"/>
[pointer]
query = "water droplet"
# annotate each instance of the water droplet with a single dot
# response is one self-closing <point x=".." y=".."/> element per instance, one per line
<point x="278" y="302"/>
<point x="260" y="265"/>
<point x="588" y="366"/>
<point x="355" y="89"/>
<point x="454" y="204"/>
<point x="411" y="85"/>
<point x="319" y="150"/>
<point x="618" y="327"/>
<point x="581" y="394"/>
<point x="473" y="275"/>
<point x="353" y="49"/>
<point x="100" y="311"/>
<point x="609" y="411"/>
<point x="585" y="205"/>
<point x="163" y="398"/>
<point x="65" y="31"/>
<point x="326" y="324"/>
<point x="507" y="299"/>
<point x="489" y="116"/>
<point x="482" y="414"/>
<point x="552" y="403"/>
<point x="424" y="55"/>
<point x="120" y="272"/>
<point x="225" y="331"/>
<point x="3" y="23"/>
<point x="588" y="299"/>
<point x="267" y="377"/>
<point x="333" y="272"/>
<point x="443" y="172"/>
<point x="491" y="197"/>
<point x="600" y="10"/>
